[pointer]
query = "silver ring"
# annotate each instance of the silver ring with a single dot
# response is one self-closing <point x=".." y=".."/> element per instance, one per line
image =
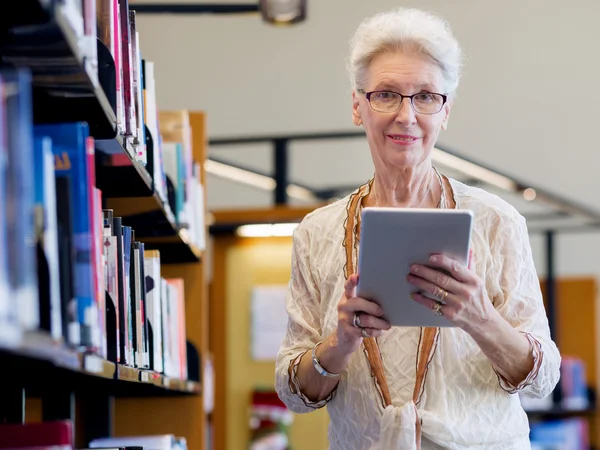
<point x="364" y="333"/>
<point x="356" y="321"/>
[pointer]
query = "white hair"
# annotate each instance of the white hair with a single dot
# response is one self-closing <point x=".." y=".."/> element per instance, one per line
<point x="406" y="30"/>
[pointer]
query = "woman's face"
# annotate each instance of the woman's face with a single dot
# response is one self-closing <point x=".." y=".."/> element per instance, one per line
<point x="404" y="138"/>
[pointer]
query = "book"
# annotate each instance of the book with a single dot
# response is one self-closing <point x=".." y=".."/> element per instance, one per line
<point x="7" y="316"/>
<point x="46" y="219"/>
<point x="154" y="309"/>
<point x="72" y="160"/>
<point x="20" y="197"/>
<point x="51" y="435"/>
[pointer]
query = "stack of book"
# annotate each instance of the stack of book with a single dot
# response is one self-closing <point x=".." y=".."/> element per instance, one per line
<point x="183" y="173"/>
<point x="58" y="435"/>
<point x="67" y="266"/>
<point x="116" y="29"/>
<point x="175" y="175"/>
<point x="564" y="434"/>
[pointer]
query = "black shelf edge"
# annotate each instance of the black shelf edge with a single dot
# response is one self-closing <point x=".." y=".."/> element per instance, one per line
<point x="118" y="180"/>
<point x="174" y="252"/>
<point x="558" y="413"/>
<point x="40" y="365"/>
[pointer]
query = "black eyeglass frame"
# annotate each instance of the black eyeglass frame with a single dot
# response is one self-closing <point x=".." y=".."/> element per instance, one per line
<point x="402" y="97"/>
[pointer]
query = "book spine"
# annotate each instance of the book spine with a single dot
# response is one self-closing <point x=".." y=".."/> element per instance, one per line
<point x="127" y="70"/>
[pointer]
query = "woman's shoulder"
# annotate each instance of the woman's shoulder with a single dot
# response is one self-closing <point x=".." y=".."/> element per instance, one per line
<point x="486" y="206"/>
<point x="325" y="219"/>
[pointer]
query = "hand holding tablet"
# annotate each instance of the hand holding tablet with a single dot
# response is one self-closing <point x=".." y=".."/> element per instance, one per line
<point x="394" y="242"/>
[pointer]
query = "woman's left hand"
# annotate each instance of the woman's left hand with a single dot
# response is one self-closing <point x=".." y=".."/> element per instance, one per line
<point x="462" y="291"/>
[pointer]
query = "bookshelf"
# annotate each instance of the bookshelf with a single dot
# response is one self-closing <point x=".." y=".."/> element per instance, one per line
<point x="101" y="387"/>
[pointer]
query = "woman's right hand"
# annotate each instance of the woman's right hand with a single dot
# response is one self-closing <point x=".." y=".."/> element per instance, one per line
<point x="349" y="336"/>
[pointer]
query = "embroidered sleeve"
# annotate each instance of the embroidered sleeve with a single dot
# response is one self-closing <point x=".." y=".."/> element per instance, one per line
<point x="538" y="356"/>
<point x="296" y="389"/>
<point x="521" y="304"/>
<point x="303" y="329"/>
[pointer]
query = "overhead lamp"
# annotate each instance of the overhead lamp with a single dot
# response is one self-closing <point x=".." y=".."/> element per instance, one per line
<point x="529" y="194"/>
<point x="283" y="12"/>
<point x="473" y="170"/>
<point x="259" y="181"/>
<point x="266" y="230"/>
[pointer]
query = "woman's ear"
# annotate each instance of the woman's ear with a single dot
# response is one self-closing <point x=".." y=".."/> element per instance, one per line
<point x="447" y="108"/>
<point x="356" y="119"/>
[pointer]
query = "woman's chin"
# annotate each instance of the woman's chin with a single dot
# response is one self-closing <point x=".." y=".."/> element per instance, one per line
<point x="404" y="158"/>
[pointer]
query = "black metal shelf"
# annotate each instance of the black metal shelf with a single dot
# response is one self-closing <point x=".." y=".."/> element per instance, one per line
<point x="40" y="365"/>
<point x="559" y="413"/>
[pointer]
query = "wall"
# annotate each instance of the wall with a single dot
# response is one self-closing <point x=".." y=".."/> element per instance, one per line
<point x="251" y="263"/>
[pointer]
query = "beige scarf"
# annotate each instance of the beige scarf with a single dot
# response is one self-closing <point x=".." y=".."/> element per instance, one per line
<point x="400" y="426"/>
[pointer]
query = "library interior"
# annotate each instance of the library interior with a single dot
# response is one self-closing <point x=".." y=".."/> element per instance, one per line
<point x="183" y="186"/>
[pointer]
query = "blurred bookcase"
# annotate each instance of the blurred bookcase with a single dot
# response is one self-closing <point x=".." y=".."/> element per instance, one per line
<point x="76" y="92"/>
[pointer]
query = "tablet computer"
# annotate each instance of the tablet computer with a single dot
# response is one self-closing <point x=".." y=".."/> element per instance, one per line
<point x="391" y="239"/>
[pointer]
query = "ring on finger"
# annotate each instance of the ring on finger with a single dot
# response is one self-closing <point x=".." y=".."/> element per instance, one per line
<point x="442" y="294"/>
<point x="437" y="308"/>
<point x="365" y="334"/>
<point x="356" y="321"/>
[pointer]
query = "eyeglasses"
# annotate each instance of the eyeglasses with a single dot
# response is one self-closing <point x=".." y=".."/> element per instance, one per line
<point x="389" y="101"/>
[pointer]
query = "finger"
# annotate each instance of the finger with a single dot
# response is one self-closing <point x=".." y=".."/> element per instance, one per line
<point x="459" y="271"/>
<point x="360" y="305"/>
<point x="430" y="304"/>
<point x="432" y="280"/>
<point x="350" y="286"/>
<point x="369" y="321"/>
<point x="371" y="332"/>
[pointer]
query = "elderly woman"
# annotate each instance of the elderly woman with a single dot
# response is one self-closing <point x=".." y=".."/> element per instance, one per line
<point x="408" y="387"/>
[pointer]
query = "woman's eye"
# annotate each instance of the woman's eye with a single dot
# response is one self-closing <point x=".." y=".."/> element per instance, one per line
<point x="424" y="98"/>
<point x="385" y="96"/>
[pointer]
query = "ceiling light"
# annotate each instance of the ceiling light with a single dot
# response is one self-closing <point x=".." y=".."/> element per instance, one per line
<point x="473" y="170"/>
<point x="529" y="194"/>
<point x="266" y="230"/>
<point x="256" y="180"/>
<point x="282" y="12"/>
<point x="239" y="175"/>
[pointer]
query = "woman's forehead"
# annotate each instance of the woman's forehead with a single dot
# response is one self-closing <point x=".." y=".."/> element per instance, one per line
<point x="404" y="71"/>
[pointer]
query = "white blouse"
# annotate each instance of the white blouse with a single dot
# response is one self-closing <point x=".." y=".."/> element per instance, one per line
<point x="466" y="404"/>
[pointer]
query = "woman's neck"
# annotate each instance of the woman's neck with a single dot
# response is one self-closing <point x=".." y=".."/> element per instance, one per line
<point x="408" y="188"/>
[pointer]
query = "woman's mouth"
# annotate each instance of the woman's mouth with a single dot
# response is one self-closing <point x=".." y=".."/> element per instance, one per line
<point x="402" y="139"/>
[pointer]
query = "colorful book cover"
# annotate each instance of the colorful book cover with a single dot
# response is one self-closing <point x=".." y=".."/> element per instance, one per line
<point x="127" y="69"/>
<point x="94" y="212"/>
<point x="47" y="236"/>
<point x="71" y="161"/>
<point x="55" y="435"/>
<point x="177" y="304"/>
<point x="119" y="67"/>
<point x="5" y="304"/>
<point x="100" y="271"/>
<point x="128" y="317"/>
<point x="124" y="342"/>
<point x="111" y="277"/>
<point x="20" y="196"/>
<point x="143" y="306"/>
<point x="154" y="308"/>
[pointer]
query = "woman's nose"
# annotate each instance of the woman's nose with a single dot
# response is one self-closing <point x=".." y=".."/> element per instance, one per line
<point x="405" y="114"/>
